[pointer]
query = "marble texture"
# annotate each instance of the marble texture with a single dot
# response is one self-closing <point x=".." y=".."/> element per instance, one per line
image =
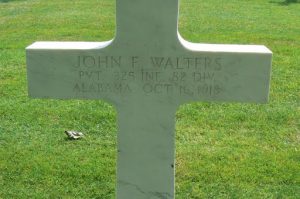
<point x="146" y="72"/>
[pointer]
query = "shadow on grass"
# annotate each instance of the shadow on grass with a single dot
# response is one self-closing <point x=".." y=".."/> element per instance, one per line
<point x="71" y="140"/>
<point x="286" y="2"/>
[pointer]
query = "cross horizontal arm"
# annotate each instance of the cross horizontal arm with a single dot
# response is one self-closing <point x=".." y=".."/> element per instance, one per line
<point x="223" y="48"/>
<point x="68" y="45"/>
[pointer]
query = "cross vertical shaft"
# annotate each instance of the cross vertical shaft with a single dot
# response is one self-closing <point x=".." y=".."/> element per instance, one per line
<point x="145" y="167"/>
<point x="159" y="19"/>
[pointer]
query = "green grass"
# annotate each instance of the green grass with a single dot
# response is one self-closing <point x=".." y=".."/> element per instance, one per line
<point x="223" y="150"/>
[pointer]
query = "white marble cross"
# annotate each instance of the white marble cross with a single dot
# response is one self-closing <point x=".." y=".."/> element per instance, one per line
<point x="146" y="72"/>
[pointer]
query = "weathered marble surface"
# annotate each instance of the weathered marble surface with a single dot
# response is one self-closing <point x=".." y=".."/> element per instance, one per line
<point x="147" y="71"/>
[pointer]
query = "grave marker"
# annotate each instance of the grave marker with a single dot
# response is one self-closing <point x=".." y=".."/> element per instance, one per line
<point x="146" y="72"/>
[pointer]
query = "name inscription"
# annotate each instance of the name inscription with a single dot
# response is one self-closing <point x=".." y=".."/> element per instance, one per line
<point x="188" y="76"/>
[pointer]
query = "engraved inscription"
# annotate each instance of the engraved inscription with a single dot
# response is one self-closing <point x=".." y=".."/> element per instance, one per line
<point x="98" y="62"/>
<point x="183" y="76"/>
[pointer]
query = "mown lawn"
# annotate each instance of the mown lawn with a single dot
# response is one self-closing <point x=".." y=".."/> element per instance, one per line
<point x="223" y="150"/>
